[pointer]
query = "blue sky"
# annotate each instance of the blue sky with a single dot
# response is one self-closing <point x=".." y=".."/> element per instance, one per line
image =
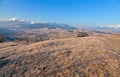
<point x="63" y="11"/>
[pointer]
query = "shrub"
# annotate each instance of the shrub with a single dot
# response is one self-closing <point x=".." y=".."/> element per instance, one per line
<point x="2" y="38"/>
<point x="82" y="34"/>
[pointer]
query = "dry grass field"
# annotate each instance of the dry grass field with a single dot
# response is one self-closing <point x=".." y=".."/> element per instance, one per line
<point x="91" y="56"/>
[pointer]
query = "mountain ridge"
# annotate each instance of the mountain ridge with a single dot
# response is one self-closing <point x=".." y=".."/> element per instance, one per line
<point x="12" y="23"/>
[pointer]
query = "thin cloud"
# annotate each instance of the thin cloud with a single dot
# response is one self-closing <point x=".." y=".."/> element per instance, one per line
<point x="112" y="26"/>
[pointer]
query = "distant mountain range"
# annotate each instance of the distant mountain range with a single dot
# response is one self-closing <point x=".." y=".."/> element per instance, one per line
<point x="107" y="28"/>
<point x="13" y="25"/>
<point x="21" y="24"/>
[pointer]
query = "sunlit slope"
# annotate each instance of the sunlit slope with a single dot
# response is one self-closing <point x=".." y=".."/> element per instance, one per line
<point x="90" y="56"/>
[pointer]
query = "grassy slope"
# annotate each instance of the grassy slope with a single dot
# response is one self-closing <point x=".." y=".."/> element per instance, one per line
<point x="91" y="56"/>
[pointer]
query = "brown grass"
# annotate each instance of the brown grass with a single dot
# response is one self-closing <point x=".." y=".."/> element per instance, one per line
<point x="92" y="56"/>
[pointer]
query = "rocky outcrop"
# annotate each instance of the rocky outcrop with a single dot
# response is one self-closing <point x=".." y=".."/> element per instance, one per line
<point x="82" y="34"/>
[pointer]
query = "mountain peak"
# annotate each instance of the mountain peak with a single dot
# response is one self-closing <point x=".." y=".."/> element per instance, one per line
<point x="112" y="26"/>
<point x="13" y="19"/>
<point x="20" y="20"/>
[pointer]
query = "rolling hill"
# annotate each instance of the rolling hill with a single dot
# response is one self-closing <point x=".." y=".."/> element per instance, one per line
<point x="92" y="56"/>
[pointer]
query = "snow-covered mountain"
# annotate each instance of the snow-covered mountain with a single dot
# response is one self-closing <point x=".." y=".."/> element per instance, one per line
<point x="14" y="26"/>
<point x="114" y="28"/>
<point x="18" y="23"/>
